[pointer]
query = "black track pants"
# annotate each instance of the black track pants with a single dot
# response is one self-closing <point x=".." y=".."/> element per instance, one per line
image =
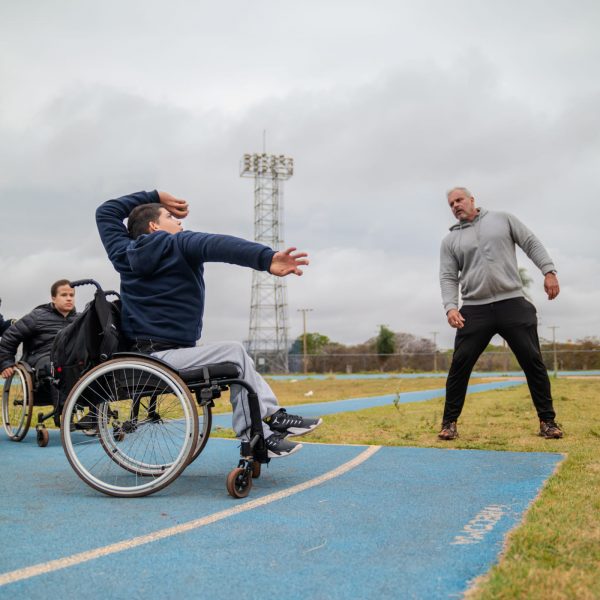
<point x="516" y="321"/>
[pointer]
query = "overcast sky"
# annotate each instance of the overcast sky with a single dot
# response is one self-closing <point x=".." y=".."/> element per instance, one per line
<point x="383" y="106"/>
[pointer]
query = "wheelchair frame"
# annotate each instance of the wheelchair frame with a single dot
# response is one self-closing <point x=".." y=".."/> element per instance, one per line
<point x="133" y="384"/>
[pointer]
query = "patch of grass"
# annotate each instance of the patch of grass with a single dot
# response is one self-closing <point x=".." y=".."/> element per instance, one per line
<point x="290" y="393"/>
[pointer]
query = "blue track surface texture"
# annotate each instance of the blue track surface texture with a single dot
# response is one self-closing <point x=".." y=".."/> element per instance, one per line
<point x="405" y="523"/>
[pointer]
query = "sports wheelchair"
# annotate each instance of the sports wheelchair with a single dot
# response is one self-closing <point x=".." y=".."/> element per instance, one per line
<point x="149" y="422"/>
<point x="24" y="390"/>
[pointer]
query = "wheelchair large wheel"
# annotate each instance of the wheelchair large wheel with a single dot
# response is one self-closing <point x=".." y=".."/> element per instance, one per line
<point x="17" y="404"/>
<point x="134" y="427"/>
<point x="204" y="426"/>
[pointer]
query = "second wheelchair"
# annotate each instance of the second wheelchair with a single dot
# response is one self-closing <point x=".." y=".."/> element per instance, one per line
<point x="23" y="391"/>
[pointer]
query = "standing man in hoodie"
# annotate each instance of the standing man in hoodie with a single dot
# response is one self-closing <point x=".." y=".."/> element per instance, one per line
<point x="479" y="254"/>
<point x="162" y="295"/>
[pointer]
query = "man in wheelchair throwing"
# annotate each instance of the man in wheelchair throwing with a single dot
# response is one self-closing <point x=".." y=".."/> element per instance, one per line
<point x="162" y="293"/>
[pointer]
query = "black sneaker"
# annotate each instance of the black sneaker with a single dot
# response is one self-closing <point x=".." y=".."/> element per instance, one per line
<point x="291" y="425"/>
<point x="279" y="447"/>
<point x="550" y="430"/>
<point x="449" y="431"/>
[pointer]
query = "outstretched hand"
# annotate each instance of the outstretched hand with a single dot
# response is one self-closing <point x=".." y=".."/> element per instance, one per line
<point x="177" y="207"/>
<point x="288" y="261"/>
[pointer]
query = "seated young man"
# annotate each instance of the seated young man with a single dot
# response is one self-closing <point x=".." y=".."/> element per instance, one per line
<point x="162" y="295"/>
<point x="37" y="330"/>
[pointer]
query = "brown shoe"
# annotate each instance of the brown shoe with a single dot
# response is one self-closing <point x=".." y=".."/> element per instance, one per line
<point x="449" y="431"/>
<point x="550" y="430"/>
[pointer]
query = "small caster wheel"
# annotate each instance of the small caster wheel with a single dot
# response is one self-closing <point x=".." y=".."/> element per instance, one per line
<point x="239" y="482"/>
<point x="255" y="469"/>
<point x="43" y="437"/>
<point x="119" y="435"/>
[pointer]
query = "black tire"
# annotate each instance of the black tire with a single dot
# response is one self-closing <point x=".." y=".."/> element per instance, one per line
<point x="239" y="483"/>
<point x="17" y="403"/>
<point x="43" y="437"/>
<point x="147" y="427"/>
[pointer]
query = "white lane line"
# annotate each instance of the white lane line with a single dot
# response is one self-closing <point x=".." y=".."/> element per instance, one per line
<point x="76" y="559"/>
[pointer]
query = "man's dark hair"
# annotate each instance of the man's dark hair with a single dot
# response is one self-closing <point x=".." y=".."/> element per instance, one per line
<point x="140" y="219"/>
<point x="57" y="284"/>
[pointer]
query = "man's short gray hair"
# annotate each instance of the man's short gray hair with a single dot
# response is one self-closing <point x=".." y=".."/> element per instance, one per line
<point x="459" y="188"/>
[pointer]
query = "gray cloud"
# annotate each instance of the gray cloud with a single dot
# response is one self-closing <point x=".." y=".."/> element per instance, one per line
<point x="381" y="114"/>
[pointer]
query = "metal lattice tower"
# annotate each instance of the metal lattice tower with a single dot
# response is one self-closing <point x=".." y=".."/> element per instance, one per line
<point x="268" y="336"/>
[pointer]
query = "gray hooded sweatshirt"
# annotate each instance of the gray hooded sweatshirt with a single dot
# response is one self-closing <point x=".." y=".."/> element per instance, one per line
<point x="480" y="254"/>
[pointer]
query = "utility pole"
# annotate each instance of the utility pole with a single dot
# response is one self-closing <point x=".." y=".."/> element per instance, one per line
<point x="434" y="334"/>
<point x="554" y="328"/>
<point x="304" y="344"/>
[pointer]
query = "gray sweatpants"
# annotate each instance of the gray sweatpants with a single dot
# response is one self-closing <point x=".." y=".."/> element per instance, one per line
<point x="231" y="352"/>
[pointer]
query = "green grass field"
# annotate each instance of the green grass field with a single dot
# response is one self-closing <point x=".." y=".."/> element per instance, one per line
<point x="555" y="553"/>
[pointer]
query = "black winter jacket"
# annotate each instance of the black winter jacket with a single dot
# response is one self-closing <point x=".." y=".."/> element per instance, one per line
<point x="36" y="331"/>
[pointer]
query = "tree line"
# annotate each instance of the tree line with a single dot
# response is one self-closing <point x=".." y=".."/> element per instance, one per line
<point x="405" y="352"/>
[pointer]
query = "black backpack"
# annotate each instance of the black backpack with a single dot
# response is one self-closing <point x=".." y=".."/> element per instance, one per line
<point x="92" y="338"/>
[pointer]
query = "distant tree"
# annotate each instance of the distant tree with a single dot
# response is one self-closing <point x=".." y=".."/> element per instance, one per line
<point x="385" y="344"/>
<point x="315" y="343"/>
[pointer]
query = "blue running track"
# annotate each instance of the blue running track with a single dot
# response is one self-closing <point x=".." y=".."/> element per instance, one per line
<point x="328" y="522"/>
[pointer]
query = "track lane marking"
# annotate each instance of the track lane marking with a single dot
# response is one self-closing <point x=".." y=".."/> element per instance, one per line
<point x="88" y="555"/>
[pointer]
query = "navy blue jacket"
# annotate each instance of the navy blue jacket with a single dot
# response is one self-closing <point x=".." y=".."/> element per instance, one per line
<point x="162" y="274"/>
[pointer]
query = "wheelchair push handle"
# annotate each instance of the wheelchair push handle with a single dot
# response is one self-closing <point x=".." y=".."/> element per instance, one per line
<point x="81" y="282"/>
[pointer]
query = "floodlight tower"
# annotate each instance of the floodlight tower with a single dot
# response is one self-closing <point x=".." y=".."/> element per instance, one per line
<point x="268" y="336"/>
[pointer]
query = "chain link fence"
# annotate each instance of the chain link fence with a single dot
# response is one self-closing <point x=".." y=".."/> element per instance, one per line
<point x="412" y="362"/>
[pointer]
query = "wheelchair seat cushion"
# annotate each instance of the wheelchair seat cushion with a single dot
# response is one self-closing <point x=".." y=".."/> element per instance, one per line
<point x="212" y="372"/>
